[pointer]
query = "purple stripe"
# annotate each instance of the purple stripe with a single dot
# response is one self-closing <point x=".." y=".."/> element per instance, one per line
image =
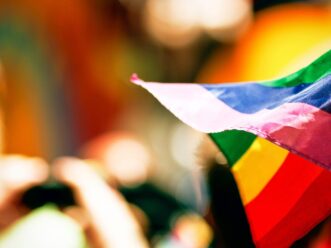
<point x="313" y="141"/>
<point x="298" y="127"/>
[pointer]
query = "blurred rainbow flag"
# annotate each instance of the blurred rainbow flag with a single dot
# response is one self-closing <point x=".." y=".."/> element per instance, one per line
<point x="284" y="193"/>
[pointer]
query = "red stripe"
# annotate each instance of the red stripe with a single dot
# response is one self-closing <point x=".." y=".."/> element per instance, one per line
<point x="313" y="207"/>
<point x="284" y="191"/>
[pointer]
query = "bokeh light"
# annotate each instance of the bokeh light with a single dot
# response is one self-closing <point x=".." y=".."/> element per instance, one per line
<point x="126" y="158"/>
<point x="225" y="20"/>
<point x="65" y="91"/>
<point x="173" y="22"/>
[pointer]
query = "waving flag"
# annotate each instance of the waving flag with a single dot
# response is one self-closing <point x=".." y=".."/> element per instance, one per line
<point x="284" y="193"/>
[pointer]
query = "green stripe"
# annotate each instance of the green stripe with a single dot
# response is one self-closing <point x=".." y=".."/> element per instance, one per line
<point x="320" y="68"/>
<point x="233" y="143"/>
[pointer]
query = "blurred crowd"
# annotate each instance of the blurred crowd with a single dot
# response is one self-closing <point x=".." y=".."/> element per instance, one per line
<point x="90" y="160"/>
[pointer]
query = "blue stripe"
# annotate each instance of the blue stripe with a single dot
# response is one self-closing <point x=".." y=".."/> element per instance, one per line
<point x="252" y="97"/>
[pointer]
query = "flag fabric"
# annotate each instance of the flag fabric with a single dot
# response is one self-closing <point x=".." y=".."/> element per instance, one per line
<point x="284" y="192"/>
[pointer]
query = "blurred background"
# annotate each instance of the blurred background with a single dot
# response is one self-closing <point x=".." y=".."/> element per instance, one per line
<point x="65" y="90"/>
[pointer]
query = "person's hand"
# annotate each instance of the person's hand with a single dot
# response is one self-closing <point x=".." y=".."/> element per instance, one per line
<point x="111" y="218"/>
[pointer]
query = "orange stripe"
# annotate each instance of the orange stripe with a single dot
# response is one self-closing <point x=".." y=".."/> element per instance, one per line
<point x="256" y="167"/>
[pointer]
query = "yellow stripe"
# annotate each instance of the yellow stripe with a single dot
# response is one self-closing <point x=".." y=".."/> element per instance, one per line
<point x="256" y="167"/>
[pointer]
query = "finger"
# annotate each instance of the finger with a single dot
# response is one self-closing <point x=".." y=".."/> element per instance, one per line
<point x="18" y="173"/>
<point x="109" y="213"/>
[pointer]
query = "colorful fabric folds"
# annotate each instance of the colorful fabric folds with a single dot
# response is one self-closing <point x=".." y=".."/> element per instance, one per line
<point x="284" y="193"/>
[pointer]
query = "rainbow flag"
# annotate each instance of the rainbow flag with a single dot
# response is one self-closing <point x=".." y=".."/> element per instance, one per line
<point x="284" y="192"/>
